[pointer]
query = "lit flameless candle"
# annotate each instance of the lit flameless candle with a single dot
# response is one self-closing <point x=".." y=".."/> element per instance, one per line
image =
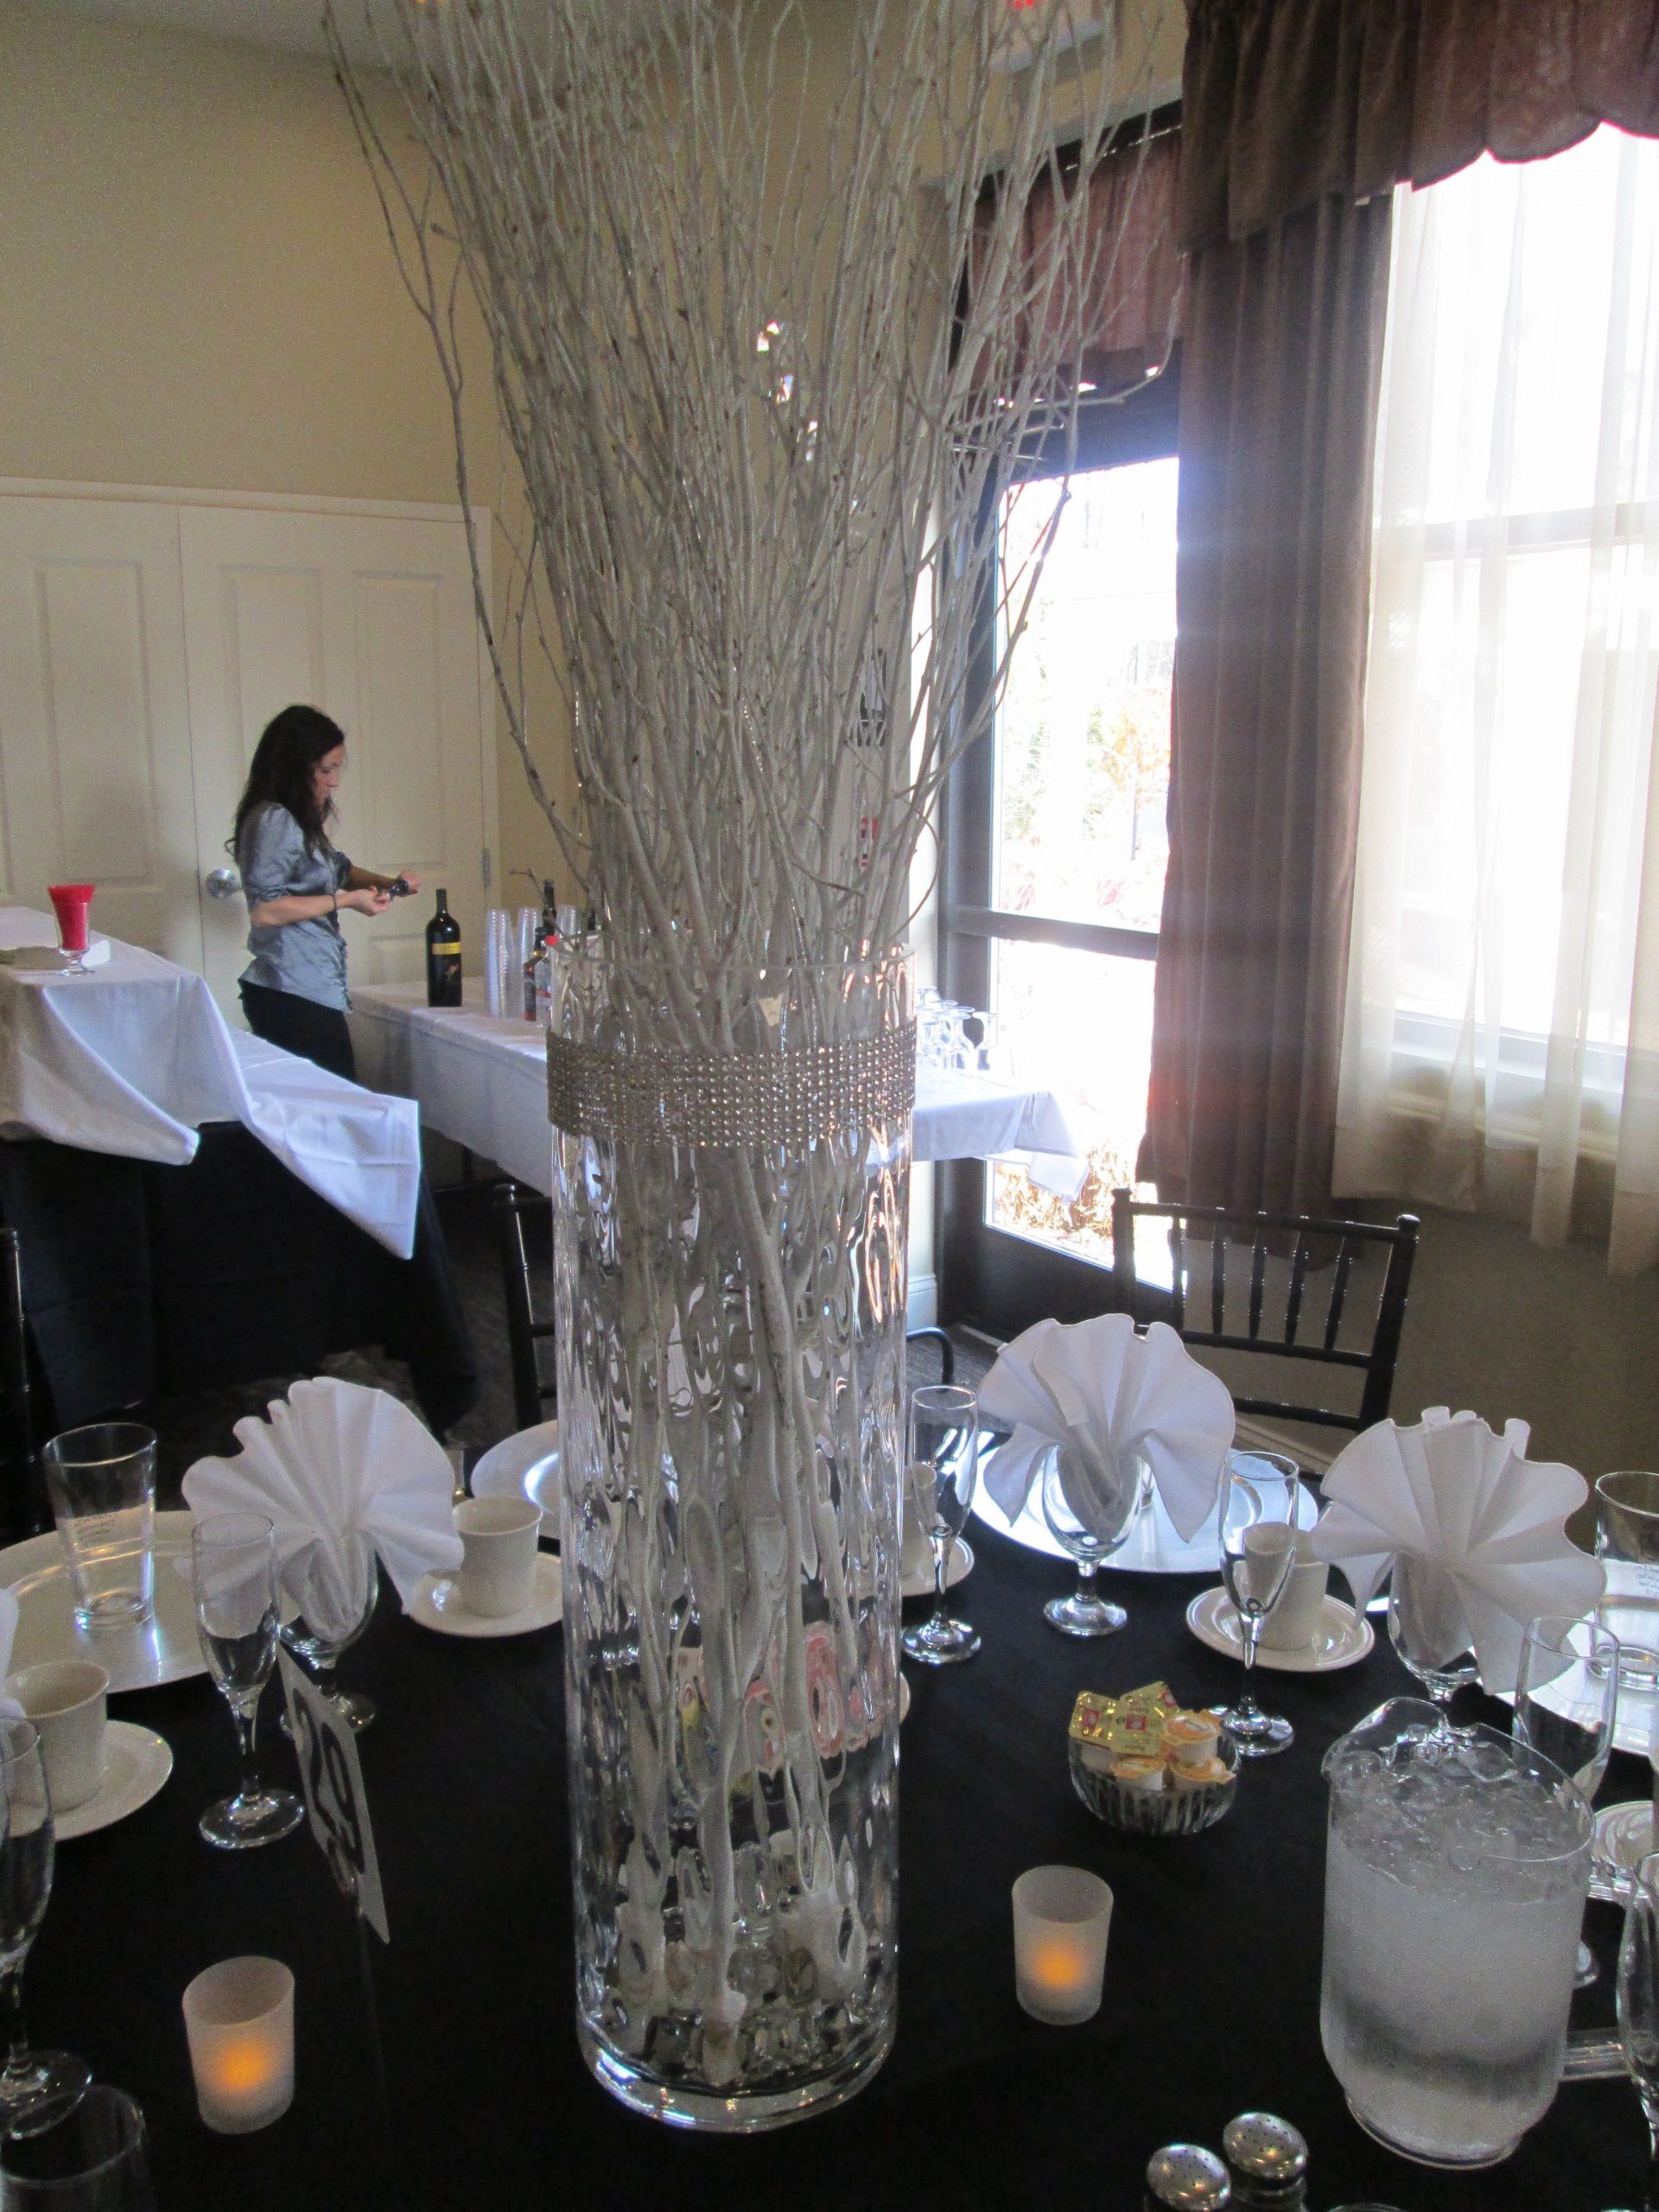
<point x="1062" y="1917"/>
<point x="239" y="2018"/>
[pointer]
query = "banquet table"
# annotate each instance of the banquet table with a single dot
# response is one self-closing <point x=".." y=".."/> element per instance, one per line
<point x="1211" y="1999"/>
<point x="481" y="1080"/>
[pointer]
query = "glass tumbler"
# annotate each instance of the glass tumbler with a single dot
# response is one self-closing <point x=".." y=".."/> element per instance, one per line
<point x="497" y="954"/>
<point x="102" y="1484"/>
<point x="93" y="2161"/>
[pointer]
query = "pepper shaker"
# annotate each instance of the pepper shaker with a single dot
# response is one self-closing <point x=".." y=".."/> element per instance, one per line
<point x="1266" y="2158"/>
<point x="1184" y="2175"/>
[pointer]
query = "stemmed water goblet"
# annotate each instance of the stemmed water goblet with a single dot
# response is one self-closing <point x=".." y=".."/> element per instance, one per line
<point x="1089" y="1507"/>
<point x="234" y="1559"/>
<point x="1412" y="1601"/>
<point x="945" y="1437"/>
<point x="37" y="2087"/>
<point x="333" y="1590"/>
<point x="1256" y="1511"/>
<point x="1566" y="1702"/>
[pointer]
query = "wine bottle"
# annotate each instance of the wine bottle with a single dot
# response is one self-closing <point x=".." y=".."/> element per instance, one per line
<point x="443" y="957"/>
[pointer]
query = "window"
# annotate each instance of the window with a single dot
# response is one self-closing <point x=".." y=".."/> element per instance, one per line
<point x="1503" y="992"/>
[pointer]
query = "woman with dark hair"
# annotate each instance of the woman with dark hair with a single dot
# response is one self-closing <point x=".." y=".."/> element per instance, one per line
<point x="295" y="884"/>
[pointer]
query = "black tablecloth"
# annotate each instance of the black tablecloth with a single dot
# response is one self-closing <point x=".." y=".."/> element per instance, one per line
<point x="1211" y="1989"/>
<point x="141" y="1280"/>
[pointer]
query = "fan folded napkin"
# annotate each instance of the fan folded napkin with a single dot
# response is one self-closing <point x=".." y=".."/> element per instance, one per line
<point x="1108" y="1395"/>
<point x="1481" y="1525"/>
<point x="338" y="1463"/>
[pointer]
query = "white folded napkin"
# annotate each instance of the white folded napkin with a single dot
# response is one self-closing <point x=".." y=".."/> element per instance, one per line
<point x="1106" y="1393"/>
<point x="339" y="1462"/>
<point x="1481" y="1524"/>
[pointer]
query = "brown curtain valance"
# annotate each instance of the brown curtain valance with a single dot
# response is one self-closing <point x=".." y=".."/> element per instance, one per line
<point x="1133" y="310"/>
<point x="1285" y="101"/>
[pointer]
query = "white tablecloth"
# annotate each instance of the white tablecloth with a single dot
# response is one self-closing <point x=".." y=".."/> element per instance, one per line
<point x="481" y="1080"/>
<point x="133" y="1056"/>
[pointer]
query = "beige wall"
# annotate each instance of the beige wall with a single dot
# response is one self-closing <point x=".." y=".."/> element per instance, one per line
<point x="198" y="291"/>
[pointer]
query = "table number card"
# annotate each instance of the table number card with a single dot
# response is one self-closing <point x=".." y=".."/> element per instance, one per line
<point x="335" y="1797"/>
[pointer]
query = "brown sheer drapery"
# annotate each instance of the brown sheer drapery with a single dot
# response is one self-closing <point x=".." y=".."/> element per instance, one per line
<point x="1298" y="117"/>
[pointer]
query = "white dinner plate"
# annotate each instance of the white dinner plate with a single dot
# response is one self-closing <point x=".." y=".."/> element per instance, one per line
<point x="437" y="1604"/>
<point x="136" y="1763"/>
<point x="904" y="1699"/>
<point x="919" y="1582"/>
<point x="165" y="1650"/>
<point x="527" y="1466"/>
<point x="1342" y="1638"/>
<point x="1633" y="1618"/>
<point x="1154" y="1546"/>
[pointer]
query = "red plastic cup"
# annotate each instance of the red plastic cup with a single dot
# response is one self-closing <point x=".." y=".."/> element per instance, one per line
<point x="70" y="902"/>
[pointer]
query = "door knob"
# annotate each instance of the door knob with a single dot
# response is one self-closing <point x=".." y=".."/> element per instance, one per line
<point x="222" y="883"/>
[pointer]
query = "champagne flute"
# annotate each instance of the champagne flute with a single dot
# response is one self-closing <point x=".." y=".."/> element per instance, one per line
<point x="945" y="1437"/>
<point x="234" y="1559"/>
<point x="332" y="1593"/>
<point x="1565" y="1701"/>
<point x="1090" y="1509"/>
<point x="1260" y="1493"/>
<point x="37" y="2087"/>
<point x="1638" y="2008"/>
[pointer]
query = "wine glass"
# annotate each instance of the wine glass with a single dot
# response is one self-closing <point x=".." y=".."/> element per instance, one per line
<point x="1638" y="2008"/>
<point x="333" y="1591"/>
<point x="1566" y="1697"/>
<point x="37" y="2087"/>
<point x="1089" y="1509"/>
<point x="1420" y="1629"/>
<point x="1260" y="1493"/>
<point x="234" y="1559"/>
<point x="945" y="1437"/>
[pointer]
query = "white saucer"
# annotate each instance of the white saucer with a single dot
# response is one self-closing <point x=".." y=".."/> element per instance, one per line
<point x="164" y="1650"/>
<point x="918" y="1581"/>
<point x="1342" y="1639"/>
<point x="904" y="1698"/>
<point x="437" y="1604"/>
<point x="1622" y="1840"/>
<point x="135" y="1764"/>
<point x="524" y="1465"/>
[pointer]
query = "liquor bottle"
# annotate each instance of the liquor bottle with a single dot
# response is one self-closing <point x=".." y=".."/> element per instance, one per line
<point x="443" y="957"/>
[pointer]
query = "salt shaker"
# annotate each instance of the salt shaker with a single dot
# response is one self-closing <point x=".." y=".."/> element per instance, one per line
<point x="1267" y="2160"/>
<point x="1185" y="2175"/>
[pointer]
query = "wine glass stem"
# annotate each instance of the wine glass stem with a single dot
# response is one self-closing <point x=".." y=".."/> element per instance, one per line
<point x="1250" y="1626"/>
<point x="943" y="1542"/>
<point x="246" y="1713"/>
<point x="1085" y="1582"/>
<point x="16" y="2026"/>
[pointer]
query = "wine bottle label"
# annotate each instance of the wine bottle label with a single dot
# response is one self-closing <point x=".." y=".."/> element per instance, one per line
<point x="451" y="951"/>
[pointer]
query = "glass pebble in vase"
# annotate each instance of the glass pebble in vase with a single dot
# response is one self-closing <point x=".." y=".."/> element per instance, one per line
<point x="329" y="1593"/>
<point x="730" y="1461"/>
<point x="1089" y="1506"/>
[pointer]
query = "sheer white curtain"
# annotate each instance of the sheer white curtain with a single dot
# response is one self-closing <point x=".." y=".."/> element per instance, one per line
<point x="1500" y="1046"/>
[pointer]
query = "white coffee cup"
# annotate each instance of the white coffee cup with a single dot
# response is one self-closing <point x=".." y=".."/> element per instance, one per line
<point x="498" y="1537"/>
<point x="66" y="1700"/>
<point x="1293" y="1620"/>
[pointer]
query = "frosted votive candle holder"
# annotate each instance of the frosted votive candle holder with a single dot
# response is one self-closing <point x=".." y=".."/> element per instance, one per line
<point x="1062" y="1917"/>
<point x="239" y="2018"/>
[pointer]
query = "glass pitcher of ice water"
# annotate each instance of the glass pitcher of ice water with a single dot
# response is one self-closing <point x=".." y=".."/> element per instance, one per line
<point x="1455" y="1867"/>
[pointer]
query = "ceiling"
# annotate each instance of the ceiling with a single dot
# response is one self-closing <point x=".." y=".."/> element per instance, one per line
<point x="294" y="25"/>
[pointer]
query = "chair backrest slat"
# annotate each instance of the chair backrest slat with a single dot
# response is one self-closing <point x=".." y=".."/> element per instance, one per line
<point x="1338" y="1294"/>
<point x="1258" y="1277"/>
<point x="1218" y="1277"/>
<point x="1178" y="1270"/>
<point x="1294" y="1301"/>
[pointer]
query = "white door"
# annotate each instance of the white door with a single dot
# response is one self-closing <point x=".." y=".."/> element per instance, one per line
<point x="95" y="761"/>
<point x="370" y="618"/>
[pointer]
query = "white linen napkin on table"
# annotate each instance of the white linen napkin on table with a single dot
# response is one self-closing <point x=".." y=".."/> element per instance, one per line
<point x="1105" y="1392"/>
<point x="339" y="1461"/>
<point x="1481" y="1524"/>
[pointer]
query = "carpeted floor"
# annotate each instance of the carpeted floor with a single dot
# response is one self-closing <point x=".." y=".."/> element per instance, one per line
<point x="190" y="1427"/>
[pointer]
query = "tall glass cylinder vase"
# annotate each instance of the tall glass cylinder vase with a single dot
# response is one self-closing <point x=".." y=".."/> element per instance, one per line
<point x="731" y="1208"/>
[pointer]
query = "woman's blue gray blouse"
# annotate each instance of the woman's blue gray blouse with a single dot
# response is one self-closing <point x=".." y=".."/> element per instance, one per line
<point x="308" y="958"/>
